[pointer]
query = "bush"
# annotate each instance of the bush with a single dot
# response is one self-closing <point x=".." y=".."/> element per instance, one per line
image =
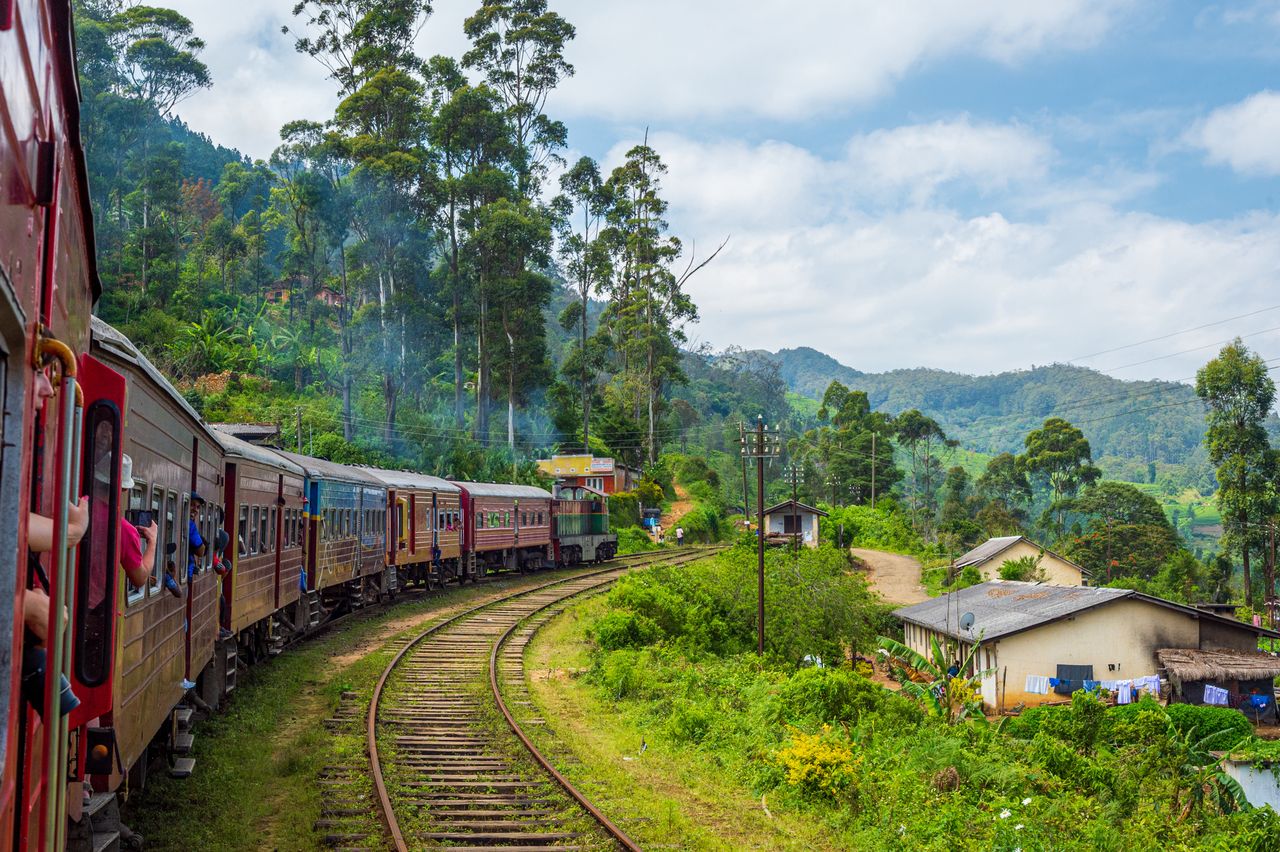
<point x="879" y="528"/>
<point x="620" y="629"/>
<point x="624" y="509"/>
<point x="1226" y="726"/>
<point x="821" y="764"/>
<point x="634" y="540"/>
<point x="1023" y="569"/>
<point x="838" y="695"/>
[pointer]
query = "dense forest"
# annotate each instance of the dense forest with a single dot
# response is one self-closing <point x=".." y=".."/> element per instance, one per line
<point x="420" y="277"/>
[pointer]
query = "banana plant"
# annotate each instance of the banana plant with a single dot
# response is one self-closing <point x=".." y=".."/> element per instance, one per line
<point x="1203" y="777"/>
<point x="951" y="698"/>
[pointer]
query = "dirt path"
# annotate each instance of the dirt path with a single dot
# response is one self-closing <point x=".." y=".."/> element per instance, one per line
<point x="670" y="519"/>
<point x="894" y="576"/>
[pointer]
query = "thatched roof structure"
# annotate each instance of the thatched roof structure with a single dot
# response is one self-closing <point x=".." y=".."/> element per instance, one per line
<point x="1189" y="664"/>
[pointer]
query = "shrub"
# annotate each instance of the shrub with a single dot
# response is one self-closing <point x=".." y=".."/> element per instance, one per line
<point x="1024" y="568"/>
<point x="624" y="509"/>
<point x="621" y="629"/>
<point x="1226" y="726"/>
<point x="821" y="764"/>
<point x="633" y="540"/>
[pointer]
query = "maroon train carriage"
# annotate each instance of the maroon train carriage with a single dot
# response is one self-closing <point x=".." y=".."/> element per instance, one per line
<point x="164" y="639"/>
<point x="264" y="523"/>
<point x="424" y="527"/>
<point x="506" y="527"/>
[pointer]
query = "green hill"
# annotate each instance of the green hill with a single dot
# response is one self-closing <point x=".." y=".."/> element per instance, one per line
<point x="1129" y="424"/>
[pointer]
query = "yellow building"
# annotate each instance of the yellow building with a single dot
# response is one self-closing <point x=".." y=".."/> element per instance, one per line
<point x="1069" y="633"/>
<point x="588" y="471"/>
<point x="994" y="552"/>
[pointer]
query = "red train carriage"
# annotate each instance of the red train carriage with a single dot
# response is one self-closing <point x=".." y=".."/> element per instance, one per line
<point x="424" y="527"/>
<point x="346" y="532"/>
<point x="165" y="640"/>
<point x="505" y="527"/>
<point x="264" y="523"/>
<point x="48" y="283"/>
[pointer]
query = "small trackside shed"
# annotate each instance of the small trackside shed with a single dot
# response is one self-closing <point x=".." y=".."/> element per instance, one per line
<point x="1069" y="633"/>
<point x="989" y="556"/>
<point x="505" y="527"/>
<point x="791" y="520"/>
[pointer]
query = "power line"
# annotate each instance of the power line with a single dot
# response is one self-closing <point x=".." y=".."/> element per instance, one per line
<point x="1172" y="334"/>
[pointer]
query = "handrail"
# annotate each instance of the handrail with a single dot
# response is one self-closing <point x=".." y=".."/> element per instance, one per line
<point x="57" y="646"/>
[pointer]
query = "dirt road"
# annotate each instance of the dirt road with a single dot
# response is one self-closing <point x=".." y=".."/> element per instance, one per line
<point x="895" y="577"/>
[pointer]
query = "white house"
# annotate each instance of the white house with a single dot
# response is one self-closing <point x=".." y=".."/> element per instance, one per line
<point x="790" y="518"/>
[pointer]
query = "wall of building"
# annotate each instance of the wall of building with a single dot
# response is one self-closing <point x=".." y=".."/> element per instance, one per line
<point x="1057" y="571"/>
<point x="1123" y="635"/>
<point x="776" y="523"/>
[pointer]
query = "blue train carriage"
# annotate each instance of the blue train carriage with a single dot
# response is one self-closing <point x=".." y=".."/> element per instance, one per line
<point x="581" y="532"/>
<point x="424" y="527"/>
<point x="345" y="543"/>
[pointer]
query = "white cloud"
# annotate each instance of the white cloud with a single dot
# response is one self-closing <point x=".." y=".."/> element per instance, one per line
<point x="659" y="62"/>
<point x="671" y="59"/>
<point x="1243" y="135"/>
<point x="924" y="285"/>
<point x="919" y="158"/>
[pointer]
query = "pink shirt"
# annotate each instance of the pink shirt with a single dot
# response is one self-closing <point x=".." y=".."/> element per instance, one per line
<point x="130" y="546"/>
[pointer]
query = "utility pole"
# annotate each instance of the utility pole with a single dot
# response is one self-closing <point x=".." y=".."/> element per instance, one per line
<point x="299" y="413"/>
<point x="873" y="470"/>
<point x="759" y="446"/>
<point x="795" y="475"/>
<point x="746" y="501"/>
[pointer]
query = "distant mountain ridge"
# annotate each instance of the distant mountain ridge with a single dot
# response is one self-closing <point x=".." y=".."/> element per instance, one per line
<point x="1151" y="421"/>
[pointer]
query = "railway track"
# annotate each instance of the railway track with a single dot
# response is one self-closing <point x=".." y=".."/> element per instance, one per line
<point x="449" y="762"/>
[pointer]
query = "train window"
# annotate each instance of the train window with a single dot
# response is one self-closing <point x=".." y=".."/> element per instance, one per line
<point x="288" y="528"/>
<point x="97" y="568"/>
<point x="480" y="520"/>
<point x="183" y="523"/>
<point x="264" y="531"/>
<point x="137" y="504"/>
<point x="253" y="529"/>
<point x="242" y="543"/>
<point x="271" y="537"/>
<point x="172" y="524"/>
<point x="507" y="522"/>
<point x="441" y="523"/>
<point x="162" y="533"/>
<point x="524" y="519"/>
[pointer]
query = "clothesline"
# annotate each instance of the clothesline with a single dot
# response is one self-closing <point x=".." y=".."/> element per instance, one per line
<point x="1125" y="690"/>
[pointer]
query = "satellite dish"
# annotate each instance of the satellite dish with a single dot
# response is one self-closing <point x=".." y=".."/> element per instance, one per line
<point x="966" y="621"/>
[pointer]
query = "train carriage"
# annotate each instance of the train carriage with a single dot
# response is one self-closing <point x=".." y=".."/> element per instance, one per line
<point x="265" y="523"/>
<point x="581" y="525"/>
<point x="345" y="538"/>
<point x="48" y="285"/>
<point x="166" y="640"/>
<point x="424" y="527"/>
<point x="506" y="527"/>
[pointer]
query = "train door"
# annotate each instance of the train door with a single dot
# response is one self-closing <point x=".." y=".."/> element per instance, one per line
<point x="14" y="370"/>
<point x="309" y="560"/>
<point x="278" y="533"/>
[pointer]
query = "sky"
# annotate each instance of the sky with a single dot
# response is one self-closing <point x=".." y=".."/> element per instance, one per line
<point x="972" y="186"/>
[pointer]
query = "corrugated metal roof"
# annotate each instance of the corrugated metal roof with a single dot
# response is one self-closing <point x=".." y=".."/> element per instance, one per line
<point x="501" y="489"/>
<point x="233" y="446"/>
<point x="987" y="549"/>
<point x="324" y="469"/>
<point x="1004" y="607"/>
<point x="801" y="507"/>
<point x="408" y="479"/>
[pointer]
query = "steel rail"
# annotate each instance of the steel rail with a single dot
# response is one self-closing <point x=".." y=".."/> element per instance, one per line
<point x="617" y="833"/>
<point x="386" y="811"/>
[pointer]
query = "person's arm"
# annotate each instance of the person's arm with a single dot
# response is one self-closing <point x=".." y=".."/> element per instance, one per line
<point x="140" y="574"/>
<point x="40" y="527"/>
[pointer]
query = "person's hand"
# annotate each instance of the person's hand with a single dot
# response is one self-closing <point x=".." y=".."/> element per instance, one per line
<point x="35" y="613"/>
<point x="149" y="533"/>
<point x="77" y="521"/>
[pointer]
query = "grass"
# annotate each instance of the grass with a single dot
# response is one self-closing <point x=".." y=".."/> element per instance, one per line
<point x="254" y="786"/>
<point x="664" y="797"/>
